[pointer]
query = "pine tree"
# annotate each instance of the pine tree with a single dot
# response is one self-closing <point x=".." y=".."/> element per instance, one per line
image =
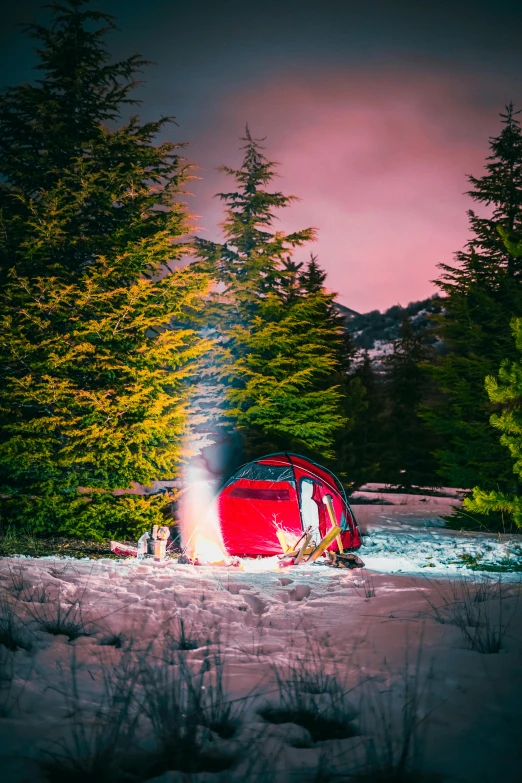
<point x="313" y="278"/>
<point x="483" y="293"/>
<point x="279" y="340"/>
<point x="505" y="391"/>
<point x="93" y="385"/>
<point x="354" y="396"/>
<point x="407" y="459"/>
<point x="311" y="283"/>
<point x="253" y="261"/>
<point x="362" y="445"/>
<point x="281" y="391"/>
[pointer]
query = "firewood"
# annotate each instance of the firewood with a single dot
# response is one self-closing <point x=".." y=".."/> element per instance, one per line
<point x="282" y="540"/>
<point x="324" y="543"/>
<point x="303" y="548"/>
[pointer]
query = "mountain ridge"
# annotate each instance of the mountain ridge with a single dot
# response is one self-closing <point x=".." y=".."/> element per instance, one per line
<point x="376" y="331"/>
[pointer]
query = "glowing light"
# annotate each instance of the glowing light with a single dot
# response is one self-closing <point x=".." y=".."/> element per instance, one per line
<point x="208" y="551"/>
<point x="200" y="525"/>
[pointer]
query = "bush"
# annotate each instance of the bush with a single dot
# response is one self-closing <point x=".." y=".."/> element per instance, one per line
<point x="96" y="516"/>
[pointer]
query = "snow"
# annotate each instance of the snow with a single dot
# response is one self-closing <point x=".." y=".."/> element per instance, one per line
<point x="374" y="629"/>
<point x="409" y="536"/>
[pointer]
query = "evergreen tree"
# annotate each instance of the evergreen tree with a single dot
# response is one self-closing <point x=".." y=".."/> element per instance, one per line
<point x="505" y="391"/>
<point x="311" y="283"/>
<point x="281" y="389"/>
<point x="253" y="261"/>
<point x="354" y="397"/>
<point x="279" y="339"/>
<point x="361" y="446"/>
<point x="93" y="386"/>
<point x="483" y="293"/>
<point x="313" y="278"/>
<point x="407" y="458"/>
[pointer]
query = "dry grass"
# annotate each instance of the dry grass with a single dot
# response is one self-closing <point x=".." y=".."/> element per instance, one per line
<point x="477" y="609"/>
<point x="14" y="634"/>
<point x="312" y="693"/>
<point x="99" y="748"/>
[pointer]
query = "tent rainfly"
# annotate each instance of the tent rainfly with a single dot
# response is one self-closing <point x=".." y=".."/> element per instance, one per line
<point x="277" y="498"/>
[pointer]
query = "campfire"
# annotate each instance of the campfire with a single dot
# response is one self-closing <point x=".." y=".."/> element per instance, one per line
<point x="205" y="551"/>
<point x="202" y="537"/>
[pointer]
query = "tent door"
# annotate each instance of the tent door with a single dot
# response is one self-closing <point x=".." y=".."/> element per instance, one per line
<point x="310" y="508"/>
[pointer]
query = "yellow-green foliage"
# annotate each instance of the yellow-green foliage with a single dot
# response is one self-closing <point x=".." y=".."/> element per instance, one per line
<point x="277" y="383"/>
<point x="98" y="348"/>
<point x="103" y="400"/>
<point x="506" y="392"/>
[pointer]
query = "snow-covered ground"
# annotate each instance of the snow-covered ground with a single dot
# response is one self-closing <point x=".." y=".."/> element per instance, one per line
<point x="330" y="670"/>
<point x="409" y="536"/>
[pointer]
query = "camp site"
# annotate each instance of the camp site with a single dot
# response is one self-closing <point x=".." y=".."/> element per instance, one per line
<point x="260" y="391"/>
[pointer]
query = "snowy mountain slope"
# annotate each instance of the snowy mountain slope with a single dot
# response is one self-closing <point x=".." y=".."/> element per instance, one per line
<point x="376" y="331"/>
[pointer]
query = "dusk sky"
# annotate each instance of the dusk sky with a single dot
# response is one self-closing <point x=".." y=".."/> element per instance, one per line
<point x="375" y="110"/>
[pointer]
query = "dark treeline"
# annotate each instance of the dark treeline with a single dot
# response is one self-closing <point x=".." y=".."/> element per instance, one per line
<point x="113" y="367"/>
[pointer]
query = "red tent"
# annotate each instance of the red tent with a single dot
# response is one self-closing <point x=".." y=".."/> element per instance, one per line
<point x="281" y="492"/>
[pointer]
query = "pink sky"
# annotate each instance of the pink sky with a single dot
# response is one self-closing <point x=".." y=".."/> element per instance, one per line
<point x="375" y="110"/>
<point x="379" y="163"/>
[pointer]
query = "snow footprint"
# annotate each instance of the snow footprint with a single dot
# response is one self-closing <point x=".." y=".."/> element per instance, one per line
<point x="234" y="588"/>
<point x="297" y="593"/>
<point x="258" y="606"/>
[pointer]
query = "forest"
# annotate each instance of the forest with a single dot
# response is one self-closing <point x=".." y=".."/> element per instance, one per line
<point x="119" y="360"/>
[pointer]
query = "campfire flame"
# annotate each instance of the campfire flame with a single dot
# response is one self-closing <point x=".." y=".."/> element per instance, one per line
<point x="200" y="525"/>
<point x="207" y="551"/>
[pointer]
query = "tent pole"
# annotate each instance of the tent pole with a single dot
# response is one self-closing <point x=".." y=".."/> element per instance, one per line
<point x="297" y="488"/>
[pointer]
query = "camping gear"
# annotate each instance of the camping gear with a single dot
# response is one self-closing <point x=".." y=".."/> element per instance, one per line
<point x="324" y="544"/>
<point x="267" y="505"/>
<point x="124" y="550"/>
<point x="303" y="548"/>
<point x="157" y="545"/>
<point x="346" y="560"/>
<point x="143" y="545"/>
<point x="159" y="548"/>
